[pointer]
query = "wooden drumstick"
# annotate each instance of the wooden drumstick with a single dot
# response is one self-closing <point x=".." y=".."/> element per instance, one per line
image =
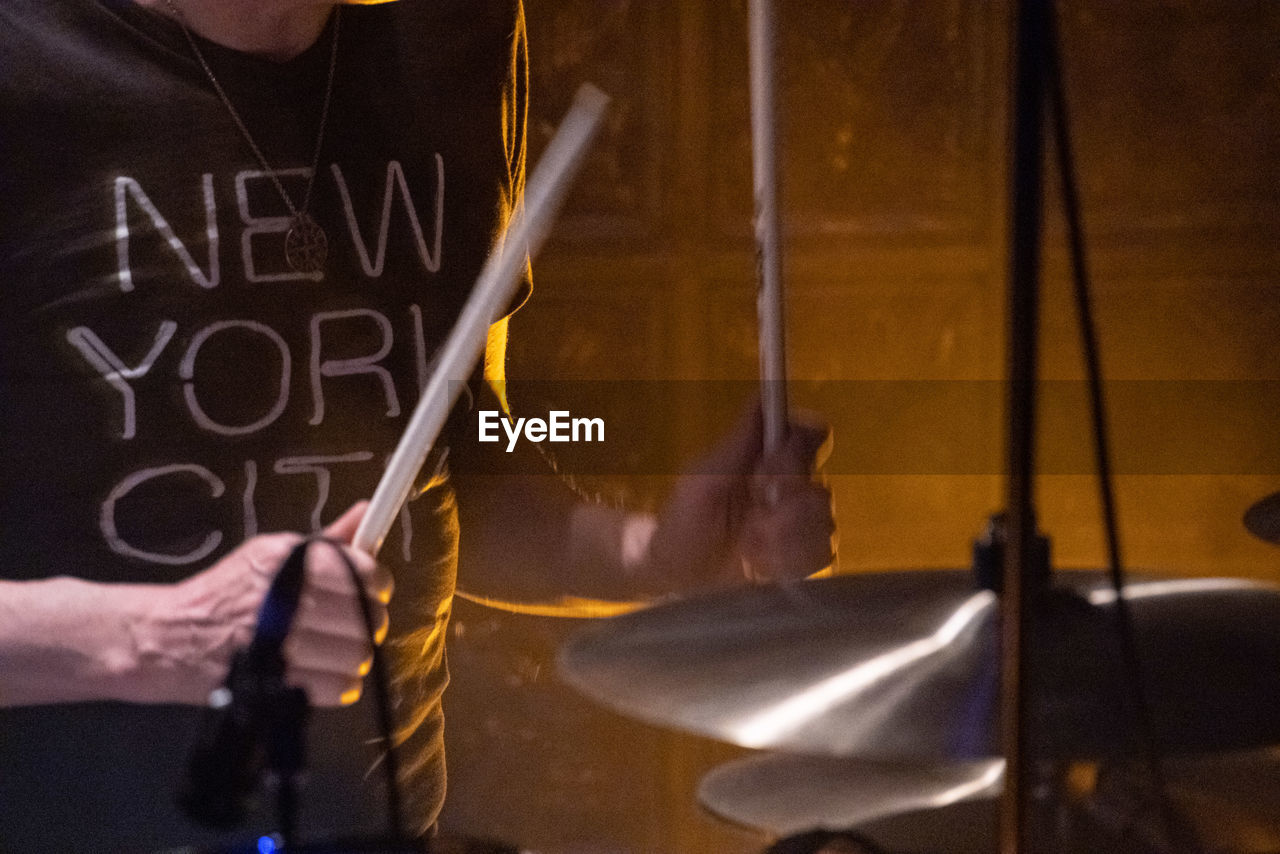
<point x="494" y="290"/>
<point x="769" y="299"/>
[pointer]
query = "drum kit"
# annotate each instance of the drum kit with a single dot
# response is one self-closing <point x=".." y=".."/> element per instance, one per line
<point x="1007" y="708"/>
<point x="910" y="710"/>
<point x="874" y="700"/>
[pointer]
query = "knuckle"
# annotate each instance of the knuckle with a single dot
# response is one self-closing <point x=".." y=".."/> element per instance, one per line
<point x="268" y="548"/>
<point x="324" y="696"/>
<point x="780" y="525"/>
<point x="382" y="585"/>
<point x="355" y="664"/>
<point x="351" y="692"/>
<point x="323" y="562"/>
<point x="328" y="690"/>
<point x="364" y="564"/>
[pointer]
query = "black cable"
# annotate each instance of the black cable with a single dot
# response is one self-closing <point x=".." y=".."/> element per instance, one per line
<point x="263" y="721"/>
<point x="1141" y="706"/>
<point x="382" y="693"/>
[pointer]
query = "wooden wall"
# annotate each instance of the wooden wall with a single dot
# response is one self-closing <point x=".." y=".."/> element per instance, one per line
<point x="894" y="172"/>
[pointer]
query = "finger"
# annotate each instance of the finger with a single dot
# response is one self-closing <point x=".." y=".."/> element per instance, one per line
<point x="793" y="539"/>
<point x="344" y="527"/>
<point x="320" y="651"/>
<point x="325" y="689"/>
<point x="768" y="491"/>
<point x="265" y="554"/>
<point x="737" y="452"/>
<point x="326" y="570"/>
<point x="799" y="452"/>
<point x="764" y="566"/>
<point x="338" y="615"/>
<point x="813" y="434"/>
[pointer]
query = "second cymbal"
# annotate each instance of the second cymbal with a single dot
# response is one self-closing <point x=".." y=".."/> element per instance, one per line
<point x="786" y="794"/>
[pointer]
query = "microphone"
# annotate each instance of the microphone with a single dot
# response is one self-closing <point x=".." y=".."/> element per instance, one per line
<point x="253" y="721"/>
<point x="226" y="763"/>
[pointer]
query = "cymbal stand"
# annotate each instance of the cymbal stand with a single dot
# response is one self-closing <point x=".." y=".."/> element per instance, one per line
<point x="1026" y="208"/>
<point x="1038" y="87"/>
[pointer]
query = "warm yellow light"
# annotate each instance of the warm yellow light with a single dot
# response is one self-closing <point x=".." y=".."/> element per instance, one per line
<point x="565" y="606"/>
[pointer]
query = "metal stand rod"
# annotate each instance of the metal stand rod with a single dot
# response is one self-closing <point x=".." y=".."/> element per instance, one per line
<point x="1026" y="207"/>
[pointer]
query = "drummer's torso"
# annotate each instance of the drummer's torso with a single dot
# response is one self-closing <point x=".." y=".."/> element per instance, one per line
<point x="156" y="342"/>
<point x="169" y="384"/>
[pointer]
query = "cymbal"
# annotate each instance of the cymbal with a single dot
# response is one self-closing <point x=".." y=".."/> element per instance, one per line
<point x="785" y="793"/>
<point x="1263" y="519"/>
<point x="1231" y="799"/>
<point x="905" y="666"/>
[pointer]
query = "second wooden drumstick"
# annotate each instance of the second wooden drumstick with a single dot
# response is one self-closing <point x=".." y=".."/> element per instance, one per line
<point x="494" y="289"/>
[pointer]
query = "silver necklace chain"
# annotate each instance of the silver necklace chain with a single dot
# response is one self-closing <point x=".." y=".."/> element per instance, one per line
<point x="306" y="245"/>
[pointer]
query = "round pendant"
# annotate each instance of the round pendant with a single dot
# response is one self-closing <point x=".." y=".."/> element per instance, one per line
<point x="305" y="246"/>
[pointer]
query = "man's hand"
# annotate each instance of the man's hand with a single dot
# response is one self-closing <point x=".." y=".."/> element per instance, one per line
<point x="185" y="648"/>
<point x="743" y="515"/>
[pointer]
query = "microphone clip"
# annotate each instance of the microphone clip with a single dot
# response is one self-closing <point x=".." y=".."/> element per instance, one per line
<point x="255" y="723"/>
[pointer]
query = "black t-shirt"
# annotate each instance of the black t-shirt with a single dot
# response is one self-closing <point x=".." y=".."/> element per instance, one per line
<point x="169" y="386"/>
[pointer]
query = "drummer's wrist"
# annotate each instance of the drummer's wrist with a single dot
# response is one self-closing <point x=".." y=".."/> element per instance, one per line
<point x="612" y="542"/>
<point x="141" y="638"/>
<point x="635" y="538"/>
<point x="76" y="641"/>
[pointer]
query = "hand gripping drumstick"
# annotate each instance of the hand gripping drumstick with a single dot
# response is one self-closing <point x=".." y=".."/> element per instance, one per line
<point x="764" y="173"/>
<point x="494" y="289"/>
